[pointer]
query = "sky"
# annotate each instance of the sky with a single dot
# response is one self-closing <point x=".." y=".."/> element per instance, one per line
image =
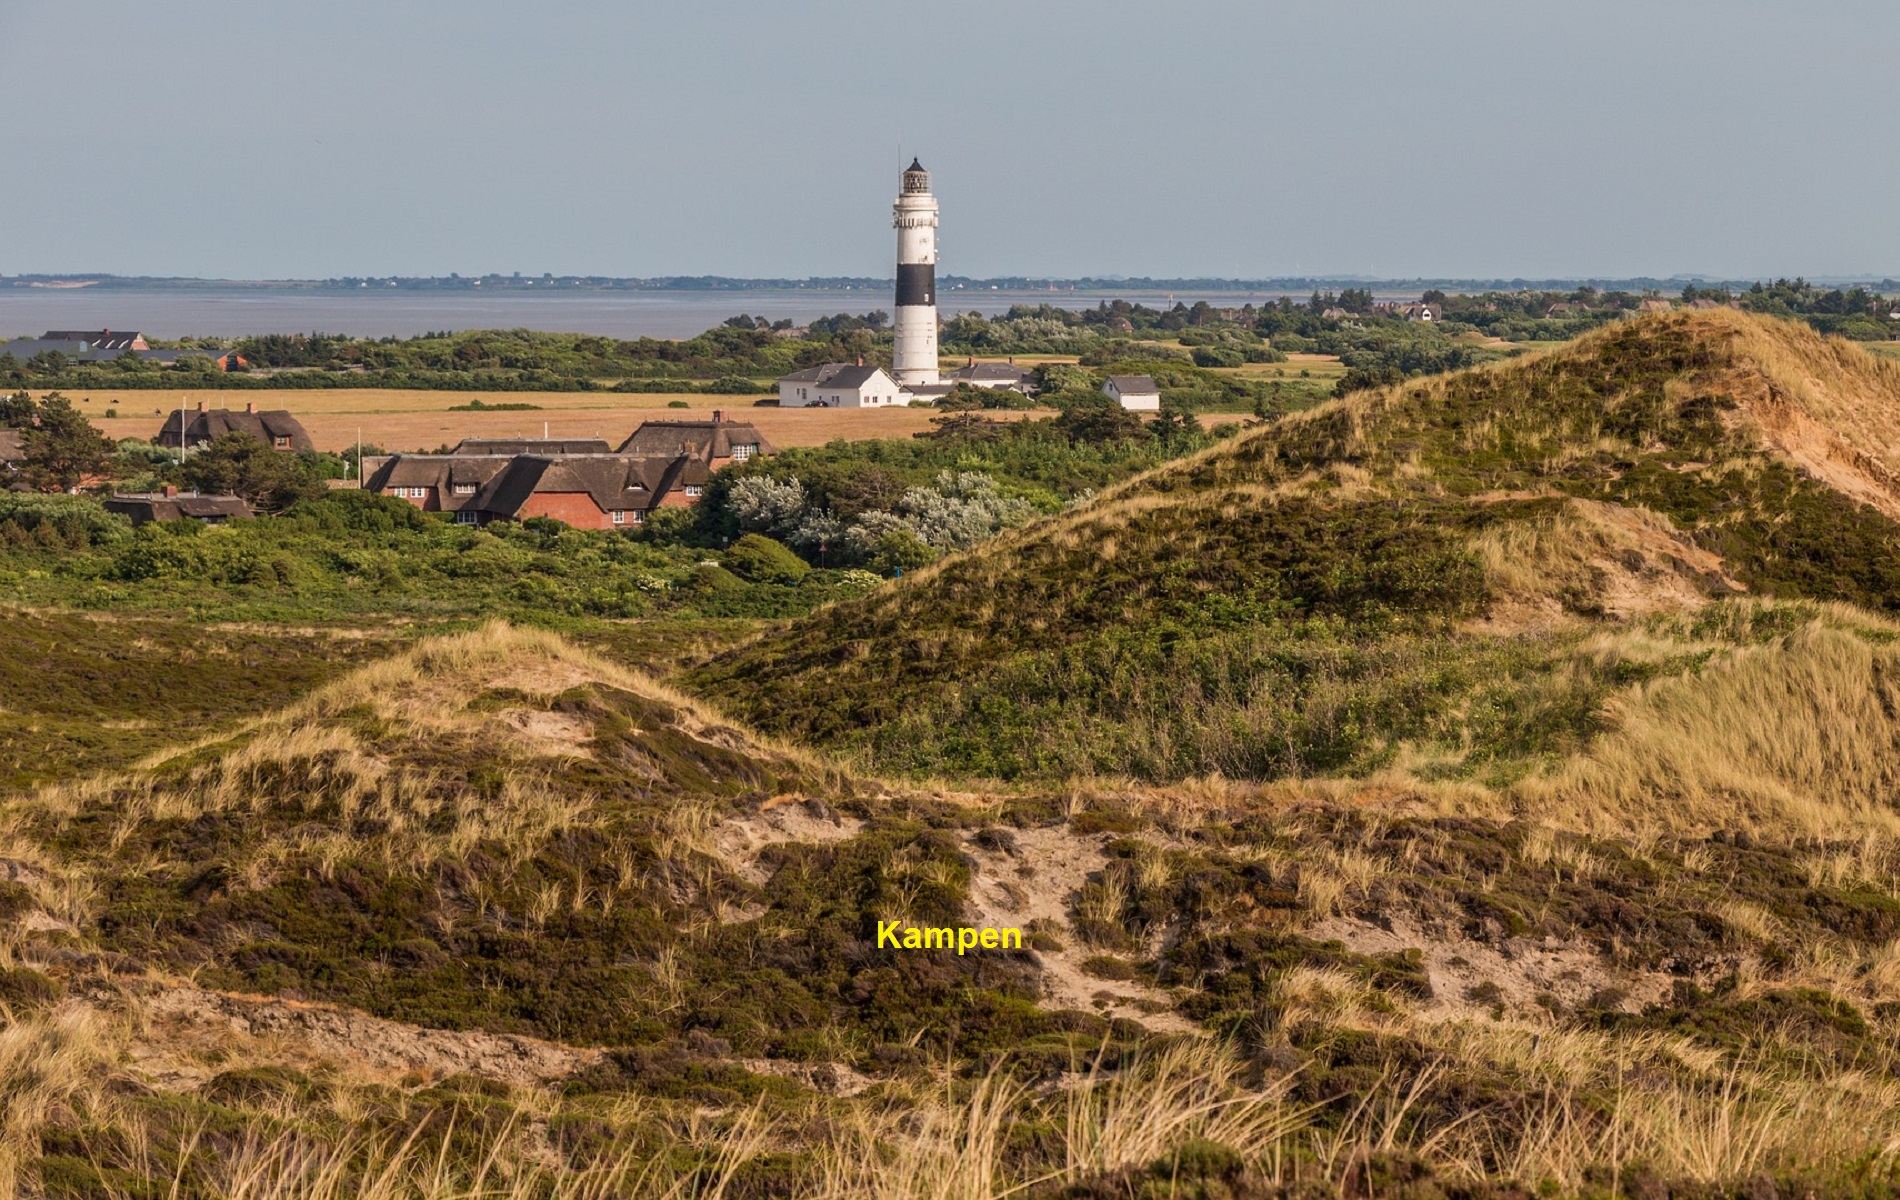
<point x="763" y="138"/>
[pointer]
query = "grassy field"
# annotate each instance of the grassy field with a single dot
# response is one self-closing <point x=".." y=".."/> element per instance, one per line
<point x="1317" y="366"/>
<point x="411" y="420"/>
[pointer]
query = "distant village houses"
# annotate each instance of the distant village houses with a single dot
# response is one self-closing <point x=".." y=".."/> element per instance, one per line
<point x="104" y="339"/>
<point x="109" y="345"/>
<point x="578" y="481"/>
<point x="195" y="430"/>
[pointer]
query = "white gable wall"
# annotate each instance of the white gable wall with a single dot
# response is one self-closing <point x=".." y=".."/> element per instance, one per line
<point x="879" y="391"/>
<point x="1134" y="401"/>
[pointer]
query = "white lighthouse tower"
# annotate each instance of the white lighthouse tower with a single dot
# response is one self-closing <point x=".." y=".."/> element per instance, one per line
<point x="915" y="216"/>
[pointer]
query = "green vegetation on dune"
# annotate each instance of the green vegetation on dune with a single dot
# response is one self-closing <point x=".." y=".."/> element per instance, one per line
<point x="81" y="694"/>
<point x="497" y="833"/>
<point x="1482" y="787"/>
<point x="350" y="555"/>
<point x="565" y="810"/>
<point x="1302" y="599"/>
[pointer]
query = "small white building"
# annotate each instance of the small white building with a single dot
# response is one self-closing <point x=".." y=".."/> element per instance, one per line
<point x="1136" y="393"/>
<point x="841" y="385"/>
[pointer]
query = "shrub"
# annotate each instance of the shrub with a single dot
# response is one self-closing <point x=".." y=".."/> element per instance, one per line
<point x="763" y="560"/>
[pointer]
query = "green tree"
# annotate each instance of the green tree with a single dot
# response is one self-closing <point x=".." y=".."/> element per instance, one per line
<point x="270" y="480"/>
<point x="60" y="449"/>
<point x="1099" y="421"/>
<point x="17" y="410"/>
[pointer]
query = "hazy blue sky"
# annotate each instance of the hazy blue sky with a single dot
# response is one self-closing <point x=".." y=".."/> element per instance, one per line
<point x="1167" y="137"/>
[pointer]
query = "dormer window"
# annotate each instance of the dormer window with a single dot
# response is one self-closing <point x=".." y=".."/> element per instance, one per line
<point x="743" y="451"/>
<point x="465" y="489"/>
<point x="281" y="441"/>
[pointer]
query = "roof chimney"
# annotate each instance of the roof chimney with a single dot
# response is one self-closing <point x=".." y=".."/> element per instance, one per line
<point x="860" y="360"/>
<point x="250" y="406"/>
<point x="972" y="361"/>
<point x="201" y="406"/>
<point x="718" y="416"/>
<point x="171" y="489"/>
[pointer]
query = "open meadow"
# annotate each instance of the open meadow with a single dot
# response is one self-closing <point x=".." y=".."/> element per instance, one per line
<point x="422" y="420"/>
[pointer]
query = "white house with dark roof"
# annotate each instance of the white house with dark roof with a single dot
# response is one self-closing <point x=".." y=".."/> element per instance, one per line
<point x="841" y="385"/>
<point x="1136" y="393"/>
<point x="993" y="375"/>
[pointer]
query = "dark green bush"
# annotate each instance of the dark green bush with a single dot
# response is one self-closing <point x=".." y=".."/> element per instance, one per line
<point x="760" y="559"/>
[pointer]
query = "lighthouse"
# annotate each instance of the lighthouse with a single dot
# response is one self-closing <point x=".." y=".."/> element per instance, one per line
<point x="915" y="217"/>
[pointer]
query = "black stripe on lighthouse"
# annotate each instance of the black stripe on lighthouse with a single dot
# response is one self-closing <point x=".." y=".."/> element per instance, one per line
<point x="916" y="284"/>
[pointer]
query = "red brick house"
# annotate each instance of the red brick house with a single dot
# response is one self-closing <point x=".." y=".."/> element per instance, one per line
<point x="586" y="491"/>
<point x="433" y="482"/>
<point x="716" y="442"/>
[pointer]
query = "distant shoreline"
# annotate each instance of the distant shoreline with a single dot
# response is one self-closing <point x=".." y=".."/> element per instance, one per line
<point x="1108" y="286"/>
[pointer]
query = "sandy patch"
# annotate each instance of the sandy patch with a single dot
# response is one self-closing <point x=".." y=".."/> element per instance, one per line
<point x="1037" y="882"/>
<point x="783" y="819"/>
<point x="185" y="1024"/>
<point x="1471" y="978"/>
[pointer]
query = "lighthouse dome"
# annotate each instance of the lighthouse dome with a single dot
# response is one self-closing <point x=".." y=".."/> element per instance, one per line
<point x="916" y="179"/>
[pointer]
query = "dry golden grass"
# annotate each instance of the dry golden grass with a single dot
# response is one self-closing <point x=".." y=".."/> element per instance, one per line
<point x="1684" y="1112"/>
<point x="1323" y="367"/>
<point x="396" y="419"/>
<point x="299" y="757"/>
<point x="1625" y="561"/>
<point x="1799" y="736"/>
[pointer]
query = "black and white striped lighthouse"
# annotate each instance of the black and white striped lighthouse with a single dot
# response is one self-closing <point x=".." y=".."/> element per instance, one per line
<point x="915" y="216"/>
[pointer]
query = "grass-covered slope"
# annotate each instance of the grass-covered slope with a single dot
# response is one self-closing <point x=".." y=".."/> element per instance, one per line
<point x="1406" y="577"/>
<point x="497" y="830"/>
<point x="83" y="692"/>
<point x="494" y="916"/>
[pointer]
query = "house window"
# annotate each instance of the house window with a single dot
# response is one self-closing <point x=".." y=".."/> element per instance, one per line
<point x="465" y="489"/>
<point x="414" y="493"/>
<point x="620" y="516"/>
<point x="465" y="517"/>
<point x="693" y="490"/>
<point x="742" y="452"/>
<point x="281" y="441"/>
